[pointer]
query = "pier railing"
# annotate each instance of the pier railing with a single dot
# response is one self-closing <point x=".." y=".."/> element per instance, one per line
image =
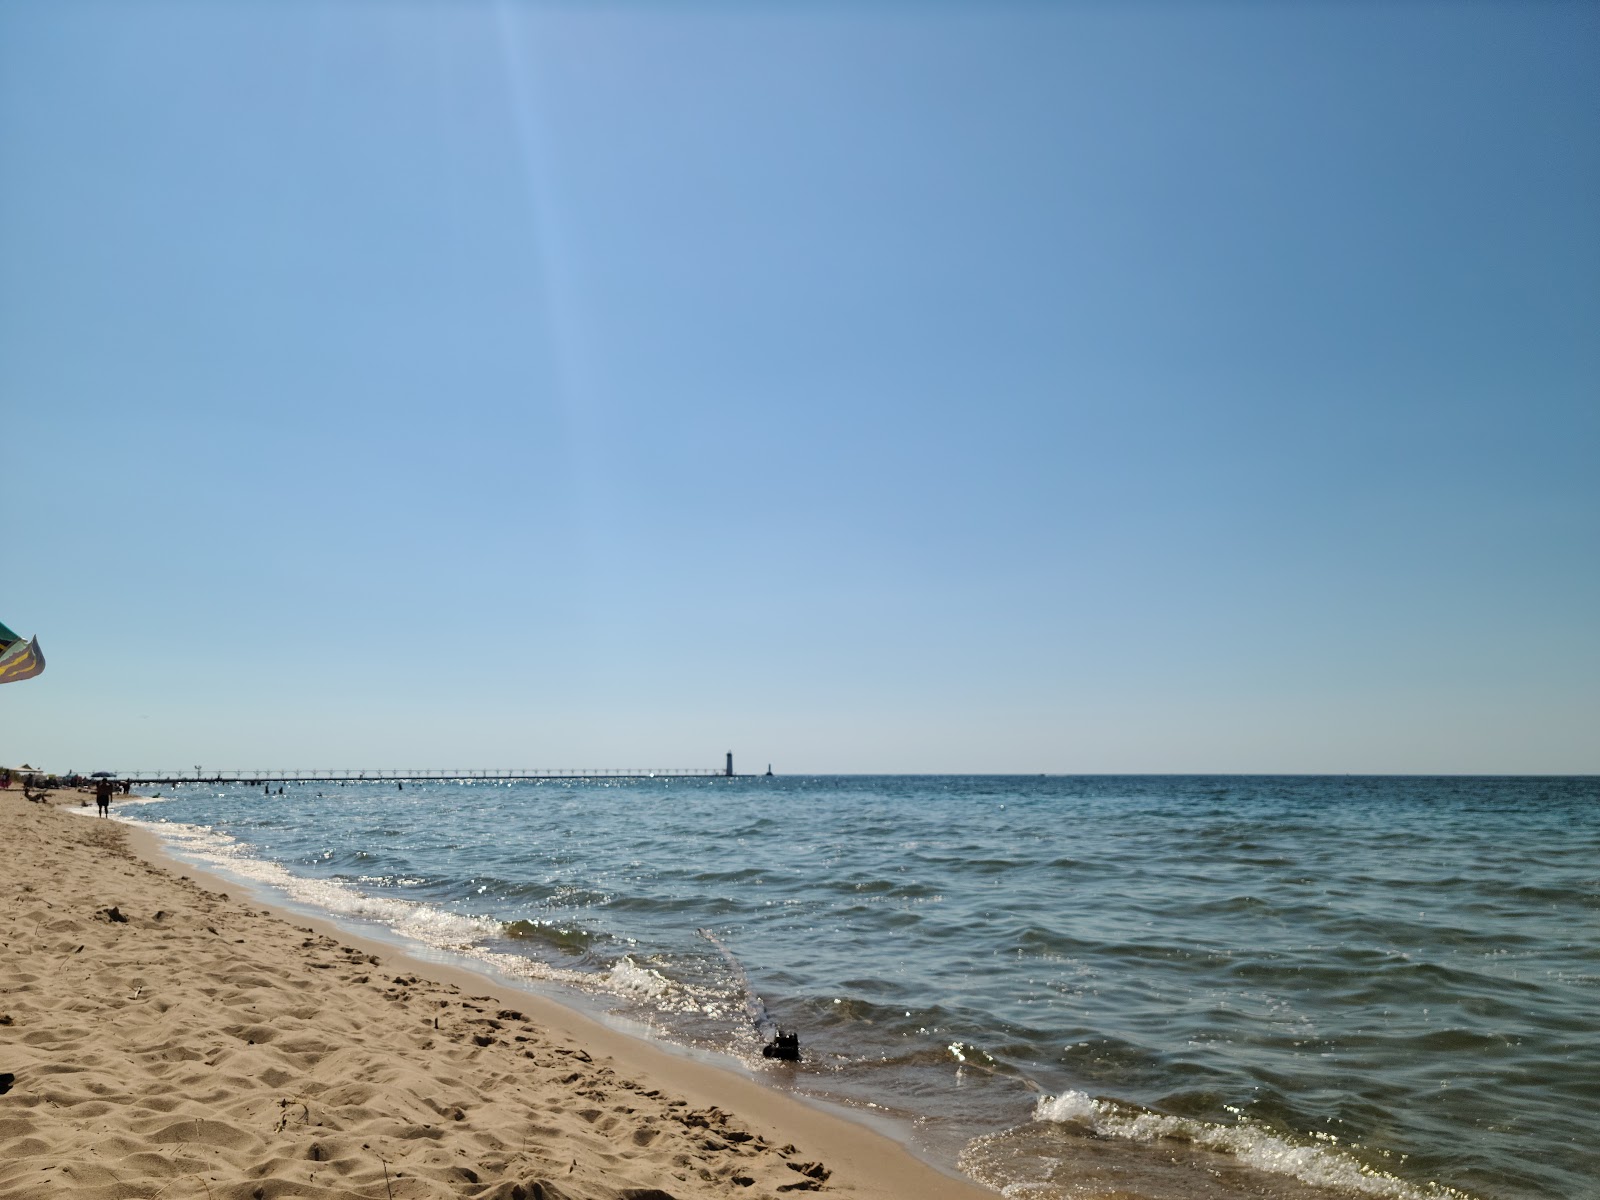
<point x="437" y="775"/>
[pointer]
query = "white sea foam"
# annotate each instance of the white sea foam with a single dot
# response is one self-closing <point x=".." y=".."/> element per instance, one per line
<point x="529" y="968"/>
<point x="629" y="978"/>
<point x="1254" y="1145"/>
<point x="432" y="926"/>
<point x="424" y="923"/>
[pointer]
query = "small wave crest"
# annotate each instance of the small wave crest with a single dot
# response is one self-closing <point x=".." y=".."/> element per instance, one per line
<point x="1322" y="1166"/>
<point x="432" y="926"/>
<point x="631" y="978"/>
<point x="566" y="938"/>
<point x="471" y="936"/>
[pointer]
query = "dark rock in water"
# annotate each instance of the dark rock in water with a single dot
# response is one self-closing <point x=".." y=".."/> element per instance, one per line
<point x="785" y="1046"/>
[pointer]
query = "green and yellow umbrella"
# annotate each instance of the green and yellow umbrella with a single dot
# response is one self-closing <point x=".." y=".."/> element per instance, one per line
<point x="18" y="659"/>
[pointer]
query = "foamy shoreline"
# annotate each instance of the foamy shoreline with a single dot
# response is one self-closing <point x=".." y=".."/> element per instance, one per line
<point x="203" y="1045"/>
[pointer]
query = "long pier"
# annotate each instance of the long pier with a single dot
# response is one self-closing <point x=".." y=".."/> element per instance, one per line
<point x="455" y="775"/>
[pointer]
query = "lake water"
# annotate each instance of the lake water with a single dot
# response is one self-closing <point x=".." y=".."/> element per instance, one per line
<point x="1179" y="987"/>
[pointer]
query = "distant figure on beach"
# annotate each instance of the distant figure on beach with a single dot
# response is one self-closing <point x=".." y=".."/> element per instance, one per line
<point x="102" y="796"/>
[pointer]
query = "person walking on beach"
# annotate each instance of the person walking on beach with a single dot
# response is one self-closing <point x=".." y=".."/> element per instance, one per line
<point x="102" y="796"/>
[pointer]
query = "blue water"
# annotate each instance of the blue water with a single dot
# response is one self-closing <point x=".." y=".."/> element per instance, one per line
<point x="1171" y="986"/>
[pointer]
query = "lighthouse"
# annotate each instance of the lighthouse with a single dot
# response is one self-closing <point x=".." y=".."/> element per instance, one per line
<point x="729" y="771"/>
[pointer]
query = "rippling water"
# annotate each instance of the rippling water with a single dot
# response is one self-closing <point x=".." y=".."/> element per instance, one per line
<point x="1178" y="987"/>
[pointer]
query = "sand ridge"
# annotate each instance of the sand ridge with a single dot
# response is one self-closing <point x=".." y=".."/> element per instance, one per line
<point x="166" y="1040"/>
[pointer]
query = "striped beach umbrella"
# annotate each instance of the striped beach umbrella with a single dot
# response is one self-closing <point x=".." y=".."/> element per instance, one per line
<point x="19" y="659"/>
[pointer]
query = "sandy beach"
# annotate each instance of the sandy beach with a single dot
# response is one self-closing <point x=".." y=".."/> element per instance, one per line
<point x="161" y="1038"/>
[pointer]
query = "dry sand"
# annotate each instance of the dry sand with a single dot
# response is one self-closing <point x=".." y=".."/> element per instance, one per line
<point x="159" y="1038"/>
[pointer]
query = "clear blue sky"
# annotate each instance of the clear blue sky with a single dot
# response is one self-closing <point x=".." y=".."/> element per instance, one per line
<point x="859" y="387"/>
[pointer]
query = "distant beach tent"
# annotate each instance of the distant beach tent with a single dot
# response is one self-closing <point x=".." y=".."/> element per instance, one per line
<point x="18" y="659"/>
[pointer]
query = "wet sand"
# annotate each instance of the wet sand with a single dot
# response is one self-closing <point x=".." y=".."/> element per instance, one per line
<point x="161" y="1038"/>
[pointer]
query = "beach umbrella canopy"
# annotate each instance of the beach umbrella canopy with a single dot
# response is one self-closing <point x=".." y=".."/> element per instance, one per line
<point x="18" y="659"/>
